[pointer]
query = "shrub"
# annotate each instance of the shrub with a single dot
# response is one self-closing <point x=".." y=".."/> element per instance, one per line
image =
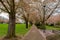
<point x="51" y="24"/>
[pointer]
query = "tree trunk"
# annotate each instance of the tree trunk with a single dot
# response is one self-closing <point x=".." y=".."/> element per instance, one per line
<point x="11" y="26"/>
<point x="26" y="23"/>
<point x="42" y="26"/>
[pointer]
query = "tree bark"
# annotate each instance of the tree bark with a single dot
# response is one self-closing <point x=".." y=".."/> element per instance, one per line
<point x="26" y="23"/>
<point x="11" y="26"/>
<point x="43" y="26"/>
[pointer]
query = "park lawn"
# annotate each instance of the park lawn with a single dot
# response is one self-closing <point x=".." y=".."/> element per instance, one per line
<point x="20" y="29"/>
<point x="52" y="28"/>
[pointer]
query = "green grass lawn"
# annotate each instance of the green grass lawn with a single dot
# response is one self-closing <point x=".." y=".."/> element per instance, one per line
<point x="20" y="29"/>
<point x="52" y="28"/>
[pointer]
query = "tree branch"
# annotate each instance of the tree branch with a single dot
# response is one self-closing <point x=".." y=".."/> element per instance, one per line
<point x="8" y="2"/>
<point x="4" y="6"/>
<point x="52" y="11"/>
<point x="3" y="10"/>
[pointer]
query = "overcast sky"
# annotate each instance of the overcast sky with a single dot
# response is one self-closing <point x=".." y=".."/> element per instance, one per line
<point x="5" y="15"/>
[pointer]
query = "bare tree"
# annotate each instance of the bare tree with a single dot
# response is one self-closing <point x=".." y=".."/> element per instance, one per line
<point x="25" y="11"/>
<point x="44" y="11"/>
<point x="10" y="7"/>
